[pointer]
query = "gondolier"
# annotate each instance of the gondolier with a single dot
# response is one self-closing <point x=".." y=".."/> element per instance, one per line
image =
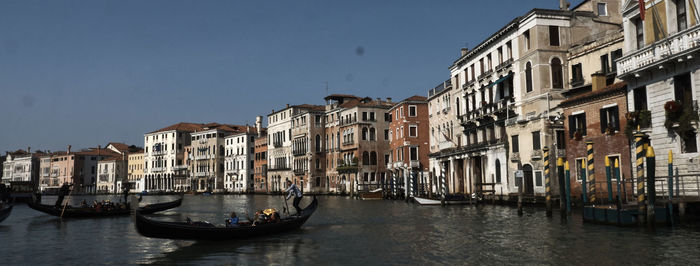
<point x="62" y="192"/>
<point x="294" y="190"/>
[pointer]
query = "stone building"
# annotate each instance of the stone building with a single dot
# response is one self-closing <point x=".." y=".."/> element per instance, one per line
<point x="208" y="154"/>
<point x="445" y="137"/>
<point x="660" y="64"/>
<point x="239" y="161"/>
<point x="22" y="166"/>
<point x="111" y="174"/>
<point x="135" y="166"/>
<point x="308" y="166"/>
<point x="164" y="159"/>
<point x="409" y="138"/>
<point x="261" y="179"/>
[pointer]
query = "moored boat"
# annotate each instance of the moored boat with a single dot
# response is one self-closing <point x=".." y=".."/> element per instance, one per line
<point x="426" y="201"/>
<point x="205" y="231"/>
<point x="372" y="195"/>
<point x="5" y="212"/>
<point x="156" y="207"/>
<point x="92" y="212"/>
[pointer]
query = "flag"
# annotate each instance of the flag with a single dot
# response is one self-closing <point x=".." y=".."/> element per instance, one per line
<point x="642" y="9"/>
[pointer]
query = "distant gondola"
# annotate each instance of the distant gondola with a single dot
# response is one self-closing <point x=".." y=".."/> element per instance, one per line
<point x="188" y="231"/>
<point x="5" y="212"/>
<point x="90" y="212"/>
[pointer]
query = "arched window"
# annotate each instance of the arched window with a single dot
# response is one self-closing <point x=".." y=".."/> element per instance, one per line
<point x="365" y="158"/>
<point x="528" y="77"/>
<point x="457" y="105"/>
<point x="372" y="134"/>
<point x="498" y="171"/>
<point x="318" y="143"/>
<point x="364" y="133"/>
<point x="373" y="158"/>
<point x="557" y="79"/>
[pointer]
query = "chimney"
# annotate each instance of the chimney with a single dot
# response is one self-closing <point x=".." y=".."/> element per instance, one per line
<point x="69" y="149"/>
<point x="287" y="105"/>
<point x="388" y="99"/>
<point x="258" y="125"/>
<point x="564" y="5"/>
<point x="29" y="150"/>
<point x="464" y="51"/>
<point x="598" y="81"/>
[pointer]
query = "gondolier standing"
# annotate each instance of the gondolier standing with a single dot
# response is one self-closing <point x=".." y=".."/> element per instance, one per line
<point x="62" y="192"/>
<point x="294" y="190"/>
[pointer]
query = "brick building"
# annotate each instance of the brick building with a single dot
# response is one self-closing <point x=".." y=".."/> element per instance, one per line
<point x="409" y="146"/>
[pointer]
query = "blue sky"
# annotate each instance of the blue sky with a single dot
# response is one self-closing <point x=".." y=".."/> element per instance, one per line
<point x="86" y="73"/>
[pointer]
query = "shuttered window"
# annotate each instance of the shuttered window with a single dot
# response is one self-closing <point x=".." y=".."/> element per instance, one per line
<point x="609" y="119"/>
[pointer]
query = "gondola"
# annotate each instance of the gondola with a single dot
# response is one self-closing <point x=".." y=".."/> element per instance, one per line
<point x="156" y="207"/>
<point x="5" y="212"/>
<point x="200" y="231"/>
<point x="90" y="212"/>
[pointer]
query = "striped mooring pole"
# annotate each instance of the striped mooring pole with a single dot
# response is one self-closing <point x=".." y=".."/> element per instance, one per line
<point x="393" y="185"/>
<point x="591" y="170"/>
<point x="562" y="190"/>
<point x="443" y="185"/>
<point x="547" y="182"/>
<point x="411" y="184"/>
<point x="639" y="150"/>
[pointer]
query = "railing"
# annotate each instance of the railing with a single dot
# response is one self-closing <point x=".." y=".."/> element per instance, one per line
<point x="414" y="164"/>
<point x="576" y="82"/>
<point x="157" y="169"/>
<point x="180" y="167"/>
<point x="660" y="51"/>
<point x="276" y="144"/>
<point x="278" y="167"/>
<point x="485" y="75"/>
<point x="299" y="152"/>
<point x="299" y="171"/>
<point x="346" y="143"/>
<point x="389" y="166"/>
<point x="160" y="152"/>
<point x="440" y="87"/>
<point x="504" y="65"/>
<point x="203" y="157"/>
<point x="201" y="174"/>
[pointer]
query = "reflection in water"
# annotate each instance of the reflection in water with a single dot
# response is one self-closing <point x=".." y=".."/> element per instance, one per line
<point x="345" y="231"/>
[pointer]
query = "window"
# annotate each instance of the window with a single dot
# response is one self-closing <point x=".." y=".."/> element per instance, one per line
<point x="536" y="145"/>
<point x="602" y="9"/>
<point x="561" y="140"/>
<point x="481" y="66"/>
<point x="604" y="64"/>
<point x="577" y="75"/>
<point x="682" y="90"/>
<point x="557" y="78"/>
<point x="500" y="55"/>
<point x="514" y="145"/>
<point x="412" y="111"/>
<point x="577" y="123"/>
<point x="373" y="158"/>
<point x="387" y="117"/>
<point x="366" y="177"/>
<point x="681" y="15"/>
<point x="613" y="57"/>
<point x="526" y="35"/>
<point x="372" y="134"/>
<point x="386" y="134"/>
<point x="580" y="164"/>
<point x="365" y="158"/>
<point x="489" y="61"/>
<point x="413" y="153"/>
<point x="528" y="77"/>
<point x="640" y="99"/>
<point x="372" y="117"/>
<point x="364" y="116"/>
<point x="639" y="30"/>
<point x="318" y="143"/>
<point x="609" y="119"/>
<point x="472" y="70"/>
<point x="498" y="171"/>
<point x="364" y="133"/>
<point x="509" y="49"/>
<point x="554" y="35"/>
<point x="413" y="131"/>
<point x="689" y="142"/>
<point x="538" y="178"/>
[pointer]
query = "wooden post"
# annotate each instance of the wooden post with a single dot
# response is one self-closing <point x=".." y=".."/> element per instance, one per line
<point x="547" y="183"/>
<point x="651" y="186"/>
<point x="639" y="149"/>
<point x="608" y="179"/>
<point x="562" y="190"/>
<point x="584" y="185"/>
<point x="616" y="175"/>
<point x="670" y="186"/>
<point x="567" y="187"/>
<point x="591" y="170"/>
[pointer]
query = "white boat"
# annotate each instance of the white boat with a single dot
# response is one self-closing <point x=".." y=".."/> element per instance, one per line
<point x="424" y="201"/>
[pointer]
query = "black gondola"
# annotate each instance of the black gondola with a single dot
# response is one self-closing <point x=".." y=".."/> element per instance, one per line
<point x="90" y="212"/>
<point x="5" y="212"/>
<point x="189" y="231"/>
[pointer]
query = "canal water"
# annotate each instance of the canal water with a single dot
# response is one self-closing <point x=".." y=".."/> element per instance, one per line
<point x="346" y="231"/>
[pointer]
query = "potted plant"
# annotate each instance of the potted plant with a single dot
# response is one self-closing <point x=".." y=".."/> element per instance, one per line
<point x="578" y="135"/>
<point x="609" y="131"/>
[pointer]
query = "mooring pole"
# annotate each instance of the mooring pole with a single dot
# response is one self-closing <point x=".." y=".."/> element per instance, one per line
<point x="584" y="185"/>
<point x="639" y="150"/>
<point x="443" y="188"/>
<point x="520" y="191"/>
<point x="608" y="179"/>
<point x="651" y="191"/>
<point x="616" y="175"/>
<point x="670" y="186"/>
<point x="547" y="183"/>
<point x="562" y="190"/>
<point x="567" y="181"/>
<point x="591" y="170"/>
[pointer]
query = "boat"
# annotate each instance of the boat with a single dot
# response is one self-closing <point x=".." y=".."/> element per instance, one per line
<point x="156" y="207"/>
<point x="372" y="194"/>
<point x="206" y="231"/>
<point x="91" y="212"/>
<point x="426" y="201"/>
<point x="5" y="212"/>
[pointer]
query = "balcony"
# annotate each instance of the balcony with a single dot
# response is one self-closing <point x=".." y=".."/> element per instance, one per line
<point x="299" y="152"/>
<point x="276" y="144"/>
<point x="347" y="143"/>
<point x="503" y="66"/>
<point x="485" y="75"/>
<point x="160" y="152"/>
<point x="299" y="172"/>
<point x="440" y="87"/>
<point x="576" y="82"/>
<point x="537" y="154"/>
<point x="414" y="164"/>
<point x="442" y="145"/>
<point x="468" y="84"/>
<point x="104" y="177"/>
<point x="203" y="157"/>
<point x="278" y="168"/>
<point x="157" y="169"/>
<point x="675" y="47"/>
<point x="201" y="174"/>
<point x="180" y="167"/>
<point x="515" y="157"/>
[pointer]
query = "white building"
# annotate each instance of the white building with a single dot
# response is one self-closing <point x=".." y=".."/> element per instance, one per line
<point x="279" y="149"/>
<point x="21" y="166"/>
<point x="239" y="161"/>
<point x="111" y="174"/>
<point x="660" y="63"/>
<point x="164" y="156"/>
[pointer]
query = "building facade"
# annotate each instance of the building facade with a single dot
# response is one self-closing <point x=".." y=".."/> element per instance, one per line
<point x="135" y="170"/>
<point x="240" y="162"/>
<point x="164" y="159"/>
<point x="307" y="148"/>
<point x="409" y="138"/>
<point x="261" y="179"/>
<point x="111" y="174"/>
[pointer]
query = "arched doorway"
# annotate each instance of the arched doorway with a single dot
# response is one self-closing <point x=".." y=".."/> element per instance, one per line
<point x="527" y="175"/>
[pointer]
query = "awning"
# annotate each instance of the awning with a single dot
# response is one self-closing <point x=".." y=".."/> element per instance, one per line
<point x="499" y="81"/>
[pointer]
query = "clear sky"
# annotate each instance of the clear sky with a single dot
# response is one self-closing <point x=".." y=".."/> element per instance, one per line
<point x="89" y="72"/>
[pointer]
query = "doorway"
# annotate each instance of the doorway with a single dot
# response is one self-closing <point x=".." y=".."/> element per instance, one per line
<point x="527" y="175"/>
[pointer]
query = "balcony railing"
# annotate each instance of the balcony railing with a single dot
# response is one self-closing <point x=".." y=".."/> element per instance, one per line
<point x="299" y="152"/>
<point x="667" y="49"/>
<point x="157" y="169"/>
<point x="201" y="174"/>
<point x="160" y="152"/>
<point x="299" y="171"/>
<point x="414" y="164"/>
<point x="180" y="167"/>
<point x="440" y="87"/>
<point x="203" y="157"/>
<point x="504" y="65"/>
